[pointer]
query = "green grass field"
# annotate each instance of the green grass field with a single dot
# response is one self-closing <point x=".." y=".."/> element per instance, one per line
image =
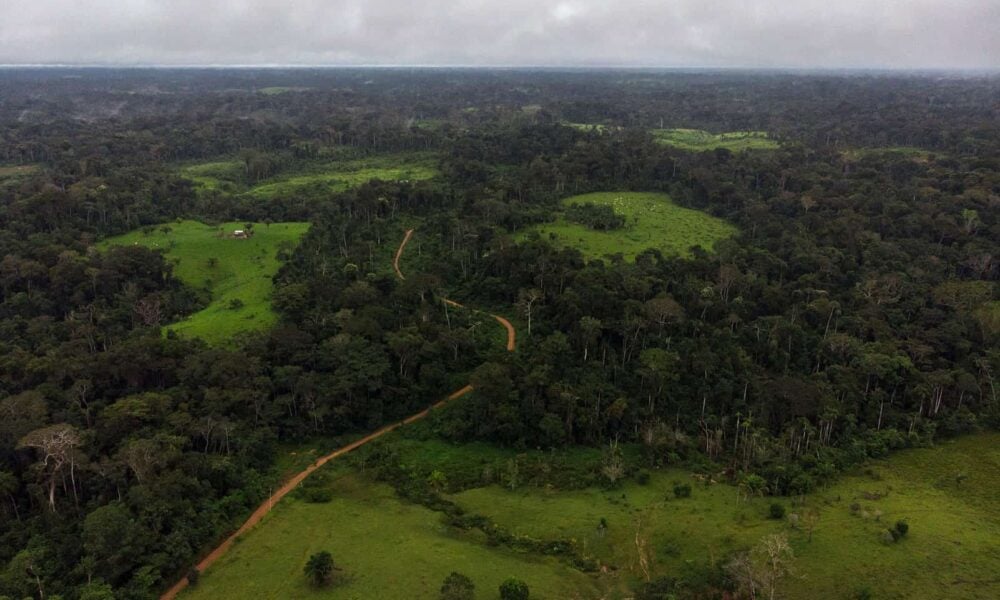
<point x="391" y="549"/>
<point x="13" y="174"/>
<point x="332" y="175"/>
<point x="387" y="549"/>
<point x="241" y="270"/>
<point x="697" y="140"/>
<point x="219" y="175"/>
<point x="952" y="551"/>
<point x="652" y="221"/>
<point x="911" y="152"/>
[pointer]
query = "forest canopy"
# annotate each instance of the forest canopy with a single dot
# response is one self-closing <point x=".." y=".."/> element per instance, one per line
<point x="826" y="299"/>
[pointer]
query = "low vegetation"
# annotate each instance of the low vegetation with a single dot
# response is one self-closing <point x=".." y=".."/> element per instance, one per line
<point x="386" y="548"/>
<point x="235" y="274"/>
<point x="697" y="140"/>
<point x="642" y="529"/>
<point x="648" y="220"/>
<point x="335" y="174"/>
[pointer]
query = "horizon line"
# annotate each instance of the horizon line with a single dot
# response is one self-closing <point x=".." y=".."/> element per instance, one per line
<point x="497" y="66"/>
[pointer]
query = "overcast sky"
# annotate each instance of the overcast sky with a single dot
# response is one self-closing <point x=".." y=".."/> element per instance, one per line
<point x="670" y="33"/>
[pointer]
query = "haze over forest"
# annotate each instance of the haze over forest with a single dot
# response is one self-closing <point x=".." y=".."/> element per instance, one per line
<point x="901" y="34"/>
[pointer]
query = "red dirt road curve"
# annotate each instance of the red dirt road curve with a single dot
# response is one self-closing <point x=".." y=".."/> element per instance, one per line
<point x="291" y="484"/>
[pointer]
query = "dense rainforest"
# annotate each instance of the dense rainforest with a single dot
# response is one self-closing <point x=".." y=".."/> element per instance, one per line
<point x="855" y="312"/>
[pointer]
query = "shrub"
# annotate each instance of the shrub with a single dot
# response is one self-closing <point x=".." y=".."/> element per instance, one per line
<point x="317" y="495"/>
<point x="777" y="511"/>
<point x="193" y="575"/>
<point x="457" y="587"/>
<point x="514" y="589"/>
<point x="642" y="477"/>
<point x="901" y="528"/>
<point x="319" y="569"/>
<point x="682" y="490"/>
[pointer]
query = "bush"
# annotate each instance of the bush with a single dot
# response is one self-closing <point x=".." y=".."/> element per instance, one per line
<point x="642" y="477"/>
<point x="319" y="569"/>
<point x="457" y="587"/>
<point x="317" y="495"/>
<point x="514" y="589"/>
<point x="192" y="576"/>
<point x="902" y="528"/>
<point x="777" y="511"/>
<point x="682" y="490"/>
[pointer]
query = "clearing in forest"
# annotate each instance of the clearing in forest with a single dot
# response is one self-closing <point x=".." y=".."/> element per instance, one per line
<point x="697" y="140"/>
<point x="12" y="174"/>
<point x="387" y="548"/>
<point x="390" y="548"/>
<point x="235" y="271"/>
<point x="652" y="220"/>
<point x="335" y="175"/>
<point x="909" y="152"/>
<point x="945" y="494"/>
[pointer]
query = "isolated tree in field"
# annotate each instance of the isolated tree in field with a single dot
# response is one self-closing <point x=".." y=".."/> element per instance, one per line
<point x="759" y="571"/>
<point x="319" y="570"/>
<point x="752" y="485"/>
<point x="613" y="464"/>
<point x="457" y="587"/>
<point x="514" y="589"/>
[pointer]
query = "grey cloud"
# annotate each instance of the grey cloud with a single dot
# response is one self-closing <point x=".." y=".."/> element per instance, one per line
<point x="711" y="33"/>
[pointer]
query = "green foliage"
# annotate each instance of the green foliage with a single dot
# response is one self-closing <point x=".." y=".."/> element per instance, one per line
<point x="596" y="216"/>
<point x="899" y="530"/>
<point x="457" y="587"/>
<point x="193" y="575"/>
<point x="238" y="284"/>
<point x="514" y="589"/>
<point x="776" y="511"/>
<point x="304" y="177"/>
<point x="319" y="569"/>
<point x="381" y="534"/>
<point x="340" y="176"/>
<point x="651" y="221"/>
<point x="696" y="140"/>
<point x="682" y="490"/>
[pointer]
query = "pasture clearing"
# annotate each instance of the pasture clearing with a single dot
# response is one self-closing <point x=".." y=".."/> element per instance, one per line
<point x="652" y="220"/>
<point x="696" y="140"/>
<point x="910" y="152"/>
<point x="393" y="549"/>
<point x="326" y="175"/>
<point x="387" y="548"/>
<point x="945" y="494"/>
<point x="235" y="273"/>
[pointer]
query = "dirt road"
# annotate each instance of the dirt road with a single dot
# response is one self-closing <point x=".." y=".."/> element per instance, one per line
<point x="291" y="484"/>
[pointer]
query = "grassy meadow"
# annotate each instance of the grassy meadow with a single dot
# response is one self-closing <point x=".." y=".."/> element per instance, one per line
<point x="335" y="175"/>
<point x="13" y="174"/>
<point x="696" y="140"/>
<point x="652" y="221"/>
<point x="392" y="549"/>
<point x="236" y="273"/>
<point x="954" y="539"/>
<point x="386" y="548"/>
<point x="910" y="152"/>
